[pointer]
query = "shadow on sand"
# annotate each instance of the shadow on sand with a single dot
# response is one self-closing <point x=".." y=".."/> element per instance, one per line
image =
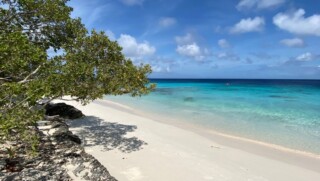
<point x="109" y="135"/>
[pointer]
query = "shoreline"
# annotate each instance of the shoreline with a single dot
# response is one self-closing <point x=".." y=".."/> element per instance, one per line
<point x="199" y="129"/>
<point x="191" y="150"/>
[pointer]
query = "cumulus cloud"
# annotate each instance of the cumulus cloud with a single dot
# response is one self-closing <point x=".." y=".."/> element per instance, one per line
<point x="297" y="23"/>
<point x="190" y="50"/>
<point x="249" y="25"/>
<point x="188" y="46"/>
<point x="187" y="39"/>
<point x="259" y="4"/>
<point x="133" y="49"/>
<point x="223" y="43"/>
<point x="294" y="42"/>
<point x="305" y="57"/>
<point x="167" y="22"/>
<point x="132" y="2"/>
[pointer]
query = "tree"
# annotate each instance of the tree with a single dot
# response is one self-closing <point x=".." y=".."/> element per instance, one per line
<point x="84" y="65"/>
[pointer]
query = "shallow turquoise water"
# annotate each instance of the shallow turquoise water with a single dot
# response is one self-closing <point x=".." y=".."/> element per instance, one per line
<point x="280" y="112"/>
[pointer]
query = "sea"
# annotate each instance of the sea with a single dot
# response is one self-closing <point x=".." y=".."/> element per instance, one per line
<point x="279" y="112"/>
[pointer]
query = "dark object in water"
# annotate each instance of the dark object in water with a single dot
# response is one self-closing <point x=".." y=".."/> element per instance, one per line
<point x="188" y="99"/>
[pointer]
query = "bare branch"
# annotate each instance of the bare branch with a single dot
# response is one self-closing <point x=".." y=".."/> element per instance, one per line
<point x="5" y="78"/>
<point x="32" y="73"/>
<point x="71" y="99"/>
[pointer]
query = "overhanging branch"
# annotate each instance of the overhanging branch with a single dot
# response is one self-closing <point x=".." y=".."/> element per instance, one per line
<point x="31" y="74"/>
<point x="8" y="79"/>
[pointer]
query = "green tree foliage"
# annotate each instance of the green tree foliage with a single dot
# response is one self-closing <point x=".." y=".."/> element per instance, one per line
<point x="89" y="66"/>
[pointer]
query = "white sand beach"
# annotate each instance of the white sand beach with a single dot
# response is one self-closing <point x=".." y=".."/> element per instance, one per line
<point x="134" y="148"/>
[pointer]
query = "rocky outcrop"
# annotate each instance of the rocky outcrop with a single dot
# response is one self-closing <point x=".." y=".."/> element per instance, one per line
<point x="61" y="157"/>
<point x="63" y="110"/>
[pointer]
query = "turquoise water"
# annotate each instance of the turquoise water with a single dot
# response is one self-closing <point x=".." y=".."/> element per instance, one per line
<point x="282" y="112"/>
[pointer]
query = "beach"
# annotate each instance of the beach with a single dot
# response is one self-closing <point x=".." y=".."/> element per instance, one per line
<point x="139" y="90"/>
<point x="136" y="147"/>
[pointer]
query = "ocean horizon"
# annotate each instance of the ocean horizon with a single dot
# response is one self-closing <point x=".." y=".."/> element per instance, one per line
<point x="284" y="112"/>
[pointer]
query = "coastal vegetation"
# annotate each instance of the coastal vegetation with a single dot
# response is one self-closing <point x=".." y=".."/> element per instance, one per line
<point x="46" y="54"/>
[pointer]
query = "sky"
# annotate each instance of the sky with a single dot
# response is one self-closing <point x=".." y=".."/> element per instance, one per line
<point x="212" y="38"/>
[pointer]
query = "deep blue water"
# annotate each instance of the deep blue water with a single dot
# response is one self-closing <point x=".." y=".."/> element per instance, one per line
<point x="282" y="112"/>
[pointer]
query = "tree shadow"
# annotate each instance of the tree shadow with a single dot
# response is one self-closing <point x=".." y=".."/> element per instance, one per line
<point x="110" y="135"/>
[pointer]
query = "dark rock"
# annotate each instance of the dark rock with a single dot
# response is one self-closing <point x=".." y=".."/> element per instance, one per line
<point x="57" y="124"/>
<point x="68" y="136"/>
<point x="74" y="138"/>
<point x="13" y="165"/>
<point x="63" y="110"/>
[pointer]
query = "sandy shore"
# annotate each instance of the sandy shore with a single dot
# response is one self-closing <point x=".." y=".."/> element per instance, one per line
<point x="134" y="147"/>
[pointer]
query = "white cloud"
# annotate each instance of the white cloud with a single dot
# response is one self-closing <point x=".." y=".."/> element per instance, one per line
<point x="249" y="25"/>
<point x="193" y="50"/>
<point x="167" y="22"/>
<point x="132" y="2"/>
<point x="190" y="50"/>
<point x="269" y="3"/>
<point x="187" y="39"/>
<point x="111" y="35"/>
<point x="294" y="42"/>
<point x="305" y="57"/>
<point x="158" y="68"/>
<point x="223" y="43"/>
<point x="188" y="46"/>
<point x="298" y="24"/>
<point x="259" y="4"/>
<point x="133" y="49"/>
<point x="245" y="4"/>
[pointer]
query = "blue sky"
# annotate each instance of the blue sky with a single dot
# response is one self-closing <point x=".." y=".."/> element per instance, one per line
<point x="212" y="38"/>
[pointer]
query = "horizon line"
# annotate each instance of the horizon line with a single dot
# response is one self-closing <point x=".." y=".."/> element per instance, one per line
<point x="233" y="79"/>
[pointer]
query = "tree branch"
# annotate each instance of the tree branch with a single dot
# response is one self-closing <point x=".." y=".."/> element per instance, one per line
<point x="32" y="73"/>
<point x="8" y="79"/>
<point x="5" y="79"/>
